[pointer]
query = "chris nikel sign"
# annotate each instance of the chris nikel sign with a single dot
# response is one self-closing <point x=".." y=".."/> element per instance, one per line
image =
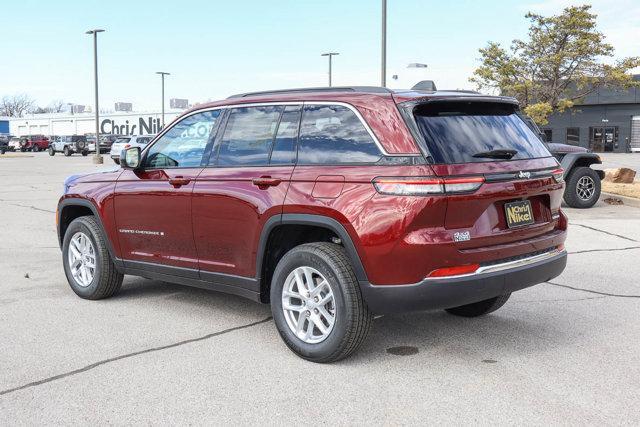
<point x="144" y="125"/>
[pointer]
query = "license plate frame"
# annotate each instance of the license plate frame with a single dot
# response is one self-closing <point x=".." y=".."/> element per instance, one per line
<point x="518" y="214"/>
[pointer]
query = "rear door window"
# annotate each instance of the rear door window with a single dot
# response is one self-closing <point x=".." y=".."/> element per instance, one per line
<point x="467" y="132"/>
<point x="333" y="134"/>
<point x="248" y="136"/>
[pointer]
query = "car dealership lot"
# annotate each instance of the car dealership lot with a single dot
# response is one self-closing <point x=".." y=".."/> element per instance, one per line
<point x="567" y="352"/>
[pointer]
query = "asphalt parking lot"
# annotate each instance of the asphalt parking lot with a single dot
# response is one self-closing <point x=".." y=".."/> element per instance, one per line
<point x="566" y="352"/>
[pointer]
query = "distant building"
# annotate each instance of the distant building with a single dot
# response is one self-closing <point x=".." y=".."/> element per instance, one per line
<point x="124" y="106"/>
<point x="606" y="120"/>
<point x="179" y="103"/>
<point x="120" y="123"/>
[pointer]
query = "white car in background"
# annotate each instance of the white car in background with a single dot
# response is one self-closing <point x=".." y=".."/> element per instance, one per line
<point x="128" y="141"/>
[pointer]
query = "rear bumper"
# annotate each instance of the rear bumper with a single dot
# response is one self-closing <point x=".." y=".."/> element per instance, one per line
<point x="495" y="280"/>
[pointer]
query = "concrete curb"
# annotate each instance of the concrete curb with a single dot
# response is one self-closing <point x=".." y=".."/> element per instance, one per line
<point x="628" y="201"/>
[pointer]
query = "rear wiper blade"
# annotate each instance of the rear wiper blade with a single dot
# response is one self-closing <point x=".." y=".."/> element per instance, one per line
<point x="497" y="154"/>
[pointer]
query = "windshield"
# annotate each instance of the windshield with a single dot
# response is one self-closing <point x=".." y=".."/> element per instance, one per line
<point x="463" y="132"/>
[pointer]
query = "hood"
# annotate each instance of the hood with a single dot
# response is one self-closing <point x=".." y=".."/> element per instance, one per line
<point x="106" y="175"/>
<point x="565" y="148"/>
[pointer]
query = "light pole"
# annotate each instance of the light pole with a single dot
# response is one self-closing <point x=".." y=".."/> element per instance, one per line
<point x="330" y="55"/>
<point x="383" y="65"/>
<point x="162" y="74"/>
<point x="97" y="157"/>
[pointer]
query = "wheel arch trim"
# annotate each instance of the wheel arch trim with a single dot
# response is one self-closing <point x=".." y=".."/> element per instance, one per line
<point x="570" y="159"/>
<point x="69" y="202"/>
<point x="313" y="220"/>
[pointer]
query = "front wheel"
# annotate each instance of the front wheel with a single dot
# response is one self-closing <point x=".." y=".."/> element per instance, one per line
<point x="479" y="308"/>
<point x="52" y="152"/>
<point x="35" y="149"/>
<point x="316" y="303"/>
<point x="583" y="188"/>
<point x="87" y="263"/>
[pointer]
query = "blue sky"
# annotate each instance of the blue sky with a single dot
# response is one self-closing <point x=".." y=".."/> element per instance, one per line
<point x="217" y="48"/>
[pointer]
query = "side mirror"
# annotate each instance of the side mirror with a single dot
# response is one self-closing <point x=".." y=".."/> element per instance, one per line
<point x="130" y="158"/>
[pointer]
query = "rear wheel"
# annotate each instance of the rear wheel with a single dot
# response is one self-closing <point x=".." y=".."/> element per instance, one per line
<point x="52" y="152"/>
<point x="87" y="263"/>
<point x="479" y="308"/>
<point x="84" y="153"/>
<point x="35" y="148"/>
<point x="583" y="188"/>
<point x="316" y="303"/>
<point x="67" y="151"/>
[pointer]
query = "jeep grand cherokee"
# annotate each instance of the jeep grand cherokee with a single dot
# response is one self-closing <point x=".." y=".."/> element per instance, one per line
<point x="331" y="204"/>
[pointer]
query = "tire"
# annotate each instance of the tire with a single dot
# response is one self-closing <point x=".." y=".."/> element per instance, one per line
<point x="352" y="318"/>
<point x="479" y="308"/>
<point x="581" y="181"/>
<point x="106" y="280"/>
<point x="22" y="149"/>
<point x="3" y="150"/>
<point x="35" y="148"/>
<point x="116" y="161"/>
<point x="84" y="153"/>
<point x="52" y="152"/>
<point x="67" y="151"/>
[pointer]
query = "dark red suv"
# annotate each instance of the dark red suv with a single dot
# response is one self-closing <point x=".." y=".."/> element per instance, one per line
<point x="34" y="143"/>
<point x="329" y="204"/>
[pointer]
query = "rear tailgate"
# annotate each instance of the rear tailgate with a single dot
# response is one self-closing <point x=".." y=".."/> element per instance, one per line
<point x="483" y="213"/>
<point x="489" y="140"/>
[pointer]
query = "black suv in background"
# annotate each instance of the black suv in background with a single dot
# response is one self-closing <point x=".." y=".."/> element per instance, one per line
<point x="583" y="184"/>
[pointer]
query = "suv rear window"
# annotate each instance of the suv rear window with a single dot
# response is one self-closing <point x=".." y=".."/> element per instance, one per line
<point x="456" y="131"/>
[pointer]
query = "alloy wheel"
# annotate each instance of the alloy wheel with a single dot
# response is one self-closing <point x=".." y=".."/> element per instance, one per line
<point x="585" y="188"/>
<point x="82" y="259"/>
<point x="309" y="305"/>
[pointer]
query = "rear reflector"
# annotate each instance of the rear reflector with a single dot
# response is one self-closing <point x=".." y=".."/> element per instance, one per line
<point x="422" y="186"/>
<point x="459" y="270"/>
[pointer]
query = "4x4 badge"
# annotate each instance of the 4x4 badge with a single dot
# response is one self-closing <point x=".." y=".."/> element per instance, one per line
<point x="524" y="175"/>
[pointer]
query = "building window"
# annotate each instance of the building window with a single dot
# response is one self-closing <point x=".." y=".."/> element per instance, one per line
<point x="573" y="136"/>
<point x="548" y="134"/>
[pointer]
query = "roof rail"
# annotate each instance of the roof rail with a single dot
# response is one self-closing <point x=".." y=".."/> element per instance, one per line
<point x="369" y="89"/>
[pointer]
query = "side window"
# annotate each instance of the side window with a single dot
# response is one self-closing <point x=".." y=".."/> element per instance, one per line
<point x="333" y="134"/>
<point x="183" y="145"/>
<point x="248" y="136"/>
<point x="284" y="146"/>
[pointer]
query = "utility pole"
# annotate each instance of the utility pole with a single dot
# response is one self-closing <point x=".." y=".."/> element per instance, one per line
<point x="162" y="74"/>
<point x="383" y="65"/>
<point x="330" y="55"/>
<point x="97" y="157"/>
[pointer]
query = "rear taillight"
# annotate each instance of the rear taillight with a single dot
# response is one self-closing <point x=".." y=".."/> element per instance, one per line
<point x="558" y="175"/>
<point x="423" y="186"/>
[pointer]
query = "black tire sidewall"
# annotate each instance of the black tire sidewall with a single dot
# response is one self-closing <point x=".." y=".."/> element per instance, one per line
<point x="67" y="151"/>
<point x="571" y="192"/>
<point x="52" y="151"/>
<point x="89" y="291"/>
<point x="326" y="348"/>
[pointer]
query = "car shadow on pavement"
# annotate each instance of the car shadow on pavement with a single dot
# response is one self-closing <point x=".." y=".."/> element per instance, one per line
<point x="508" y="333"/>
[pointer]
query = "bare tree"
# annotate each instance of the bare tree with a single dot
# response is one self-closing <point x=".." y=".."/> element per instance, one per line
<point x="16" y="105"/>
<point x="56" y="106"/>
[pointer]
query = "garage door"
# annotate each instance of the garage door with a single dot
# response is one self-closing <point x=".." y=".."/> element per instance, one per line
<point x="634" y="144"/>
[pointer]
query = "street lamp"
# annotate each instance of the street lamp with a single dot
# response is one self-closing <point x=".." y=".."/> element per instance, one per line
<point x="330" y="55"/>
<point x="97" y="157"/>
<point x="383" y="65"/>
<point x="162" y="74"/>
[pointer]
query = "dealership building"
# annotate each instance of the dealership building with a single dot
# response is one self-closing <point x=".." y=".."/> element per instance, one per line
<point x="118" y="123"/>
<point x="606" y="120"/>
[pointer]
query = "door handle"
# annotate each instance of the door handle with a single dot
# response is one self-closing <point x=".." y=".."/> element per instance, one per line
<point x="265" y="182"/>
<point x="179" y="181"/>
